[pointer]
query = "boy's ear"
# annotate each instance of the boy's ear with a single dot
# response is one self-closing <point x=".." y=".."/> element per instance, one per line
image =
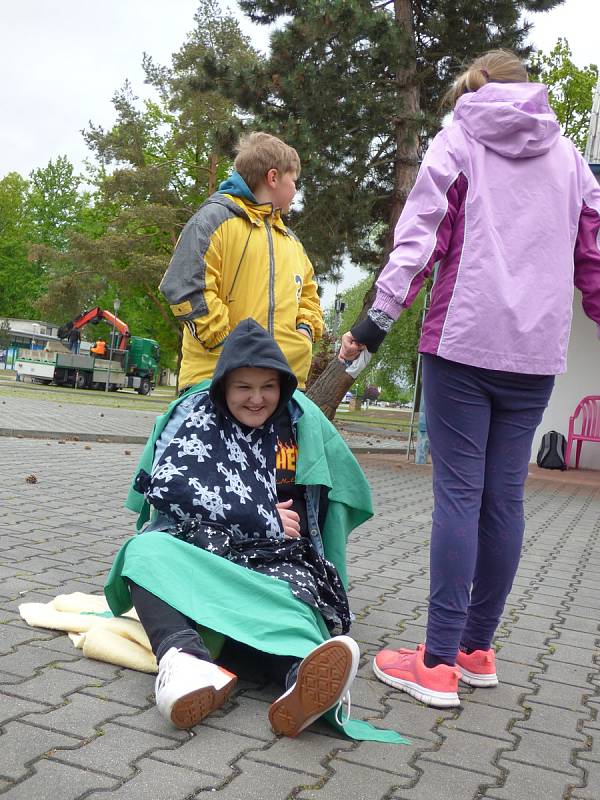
<point x="271" y="178"/>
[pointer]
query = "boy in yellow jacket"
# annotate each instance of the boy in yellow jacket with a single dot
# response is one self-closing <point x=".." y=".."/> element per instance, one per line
<point x="236" y="259"/>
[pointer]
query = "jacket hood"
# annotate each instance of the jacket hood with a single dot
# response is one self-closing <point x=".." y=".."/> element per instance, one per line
<point x="236" y="186"/>
<point x="249" y="345"/>
<point x="513" y="119"/>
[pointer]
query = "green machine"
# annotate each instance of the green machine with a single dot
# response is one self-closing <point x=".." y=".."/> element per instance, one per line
<point x="130" y="362"/>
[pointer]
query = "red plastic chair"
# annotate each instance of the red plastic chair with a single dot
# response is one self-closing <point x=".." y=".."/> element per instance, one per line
<point x="588" y="414"/>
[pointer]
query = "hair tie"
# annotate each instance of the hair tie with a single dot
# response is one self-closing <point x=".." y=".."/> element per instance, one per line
<point x="485" y="74"/>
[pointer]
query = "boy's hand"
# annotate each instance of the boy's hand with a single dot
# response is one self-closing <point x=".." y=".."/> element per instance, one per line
<point x="290" y="519"/>
<point x="350" y="348"/>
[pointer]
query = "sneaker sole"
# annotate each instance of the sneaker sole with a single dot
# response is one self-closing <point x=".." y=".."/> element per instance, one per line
<point x="429" y="697"/>
<point x="191" y="709"/>
<point x="323" y="679"/>
<point x="478" y="680"/>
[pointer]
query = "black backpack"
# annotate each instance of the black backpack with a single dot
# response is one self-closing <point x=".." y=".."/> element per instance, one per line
<point x="551" y="454"/>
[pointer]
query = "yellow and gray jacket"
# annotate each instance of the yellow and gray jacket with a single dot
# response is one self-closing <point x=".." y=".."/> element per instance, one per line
<point x="236" y="259"/>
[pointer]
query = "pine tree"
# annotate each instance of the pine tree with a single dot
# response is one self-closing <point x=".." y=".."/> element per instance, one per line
<point x="355" y="86"/>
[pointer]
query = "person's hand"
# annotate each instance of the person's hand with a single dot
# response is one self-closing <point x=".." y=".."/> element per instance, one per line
<point x="305" y="332"/>
<point x="290" y="519"/>
<point x="350" y="349"/>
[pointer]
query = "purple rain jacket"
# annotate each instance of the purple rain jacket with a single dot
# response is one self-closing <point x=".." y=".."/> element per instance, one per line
<point x="511" y="211"/>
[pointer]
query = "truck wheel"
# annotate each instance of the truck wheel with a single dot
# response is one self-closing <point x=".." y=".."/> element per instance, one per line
<point x="81" y="381"/>
<point x="144" y="387"/>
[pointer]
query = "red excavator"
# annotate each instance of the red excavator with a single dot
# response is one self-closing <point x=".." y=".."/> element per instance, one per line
<point x="130" y="361"/>
<point x="95" y="315"/>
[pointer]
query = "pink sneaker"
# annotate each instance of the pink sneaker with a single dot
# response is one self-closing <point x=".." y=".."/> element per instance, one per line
<point x="478" y="668"/>
<point x="405" y="670"/>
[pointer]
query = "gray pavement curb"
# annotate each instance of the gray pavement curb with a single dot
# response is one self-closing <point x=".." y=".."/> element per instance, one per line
<point x="117" y="438"/>
<point x="106" y="438"/>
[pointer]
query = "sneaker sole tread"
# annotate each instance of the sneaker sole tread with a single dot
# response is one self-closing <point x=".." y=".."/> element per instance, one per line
<point x="320" y="684"/>
<point x="192" y="708"/>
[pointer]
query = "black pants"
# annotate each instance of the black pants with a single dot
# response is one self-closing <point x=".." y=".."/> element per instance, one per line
<point x="166" y="627"/>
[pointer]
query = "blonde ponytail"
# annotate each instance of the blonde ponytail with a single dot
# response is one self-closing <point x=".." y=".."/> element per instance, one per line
<point x="497" y="66"/>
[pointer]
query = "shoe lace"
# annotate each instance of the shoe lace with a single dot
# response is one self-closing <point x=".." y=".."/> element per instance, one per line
<point x="339" y="709"/>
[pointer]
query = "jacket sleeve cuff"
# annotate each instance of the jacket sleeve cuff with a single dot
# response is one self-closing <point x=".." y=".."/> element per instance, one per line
<point x="314" y="322"/>
<point x="368" y="333"/>
<point x="304" y="326"/>
<point x="215" y="338"/>
<point x="388" y="304"/>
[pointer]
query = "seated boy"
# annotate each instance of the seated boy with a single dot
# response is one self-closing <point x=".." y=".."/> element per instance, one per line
<point x="236" y="258"/>
<point x="254" y="493"/>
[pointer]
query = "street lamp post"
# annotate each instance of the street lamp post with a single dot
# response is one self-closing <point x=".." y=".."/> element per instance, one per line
<point x="116" y="306"/>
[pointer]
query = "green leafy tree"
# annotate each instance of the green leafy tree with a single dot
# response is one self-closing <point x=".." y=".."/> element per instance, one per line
<point x="21" y="281"/>
<point x="55" y="203"/>
<point x="355" y="86"/>
<point x="570" y="89"/>
<point x="43" y="210"/>
<point x="155" y="166"/>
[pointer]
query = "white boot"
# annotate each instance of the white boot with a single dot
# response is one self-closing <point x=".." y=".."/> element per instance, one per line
<point x="188" y="688"/>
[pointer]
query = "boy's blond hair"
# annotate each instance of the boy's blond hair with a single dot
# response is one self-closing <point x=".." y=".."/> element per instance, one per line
<point x="497" y="66"/>
<point x="257" y="153"/>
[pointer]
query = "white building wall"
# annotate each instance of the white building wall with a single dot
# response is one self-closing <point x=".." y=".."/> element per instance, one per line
<point x="581" y="378"/>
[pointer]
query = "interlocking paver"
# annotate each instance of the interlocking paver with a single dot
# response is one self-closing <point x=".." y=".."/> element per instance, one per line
<point x="505" y="695"/>
<point x="114" y="751"/>
<point x="130" y="688"/>
<point x="53" y="685"/>
<point x="467" y="751"/>
<point x="560" y="694"/>
<point x="444" y="783"/>
<point x="553" y="719"/>
<point x="51" y="779"/>
<point x="543" y="750"/>
<point x="81" y="715"/>
<point x="526" y="782"/>
<point x="14" y="707"/>
<point x="571" y="674"/>
<point x="353" y="780"/>
<point x="95" y="728"/>
<point x="413" y="719"/>
<point x="484" y="720"/>
<point x="515" y="673"/>
<point x="22" y="744"/>
<point x="520" y="654"/>
<point x="211" y="753"/>
<point x="316" y="750"/>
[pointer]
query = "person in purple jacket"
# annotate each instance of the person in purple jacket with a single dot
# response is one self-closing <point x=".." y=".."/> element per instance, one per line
<point x="510" y="212"/>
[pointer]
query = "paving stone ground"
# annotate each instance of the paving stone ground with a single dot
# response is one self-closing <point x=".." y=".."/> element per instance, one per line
<point x="74" y="728"/>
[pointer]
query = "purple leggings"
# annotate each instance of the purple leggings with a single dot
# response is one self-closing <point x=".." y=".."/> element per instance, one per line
<point x="481" y="424"/>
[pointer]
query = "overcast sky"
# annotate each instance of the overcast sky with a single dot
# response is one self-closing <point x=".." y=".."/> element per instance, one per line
<point x="62" y="60"/>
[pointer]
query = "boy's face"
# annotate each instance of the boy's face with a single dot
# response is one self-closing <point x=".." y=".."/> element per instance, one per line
<point x="252" y="394"/>
<point x="281" y="188"/>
